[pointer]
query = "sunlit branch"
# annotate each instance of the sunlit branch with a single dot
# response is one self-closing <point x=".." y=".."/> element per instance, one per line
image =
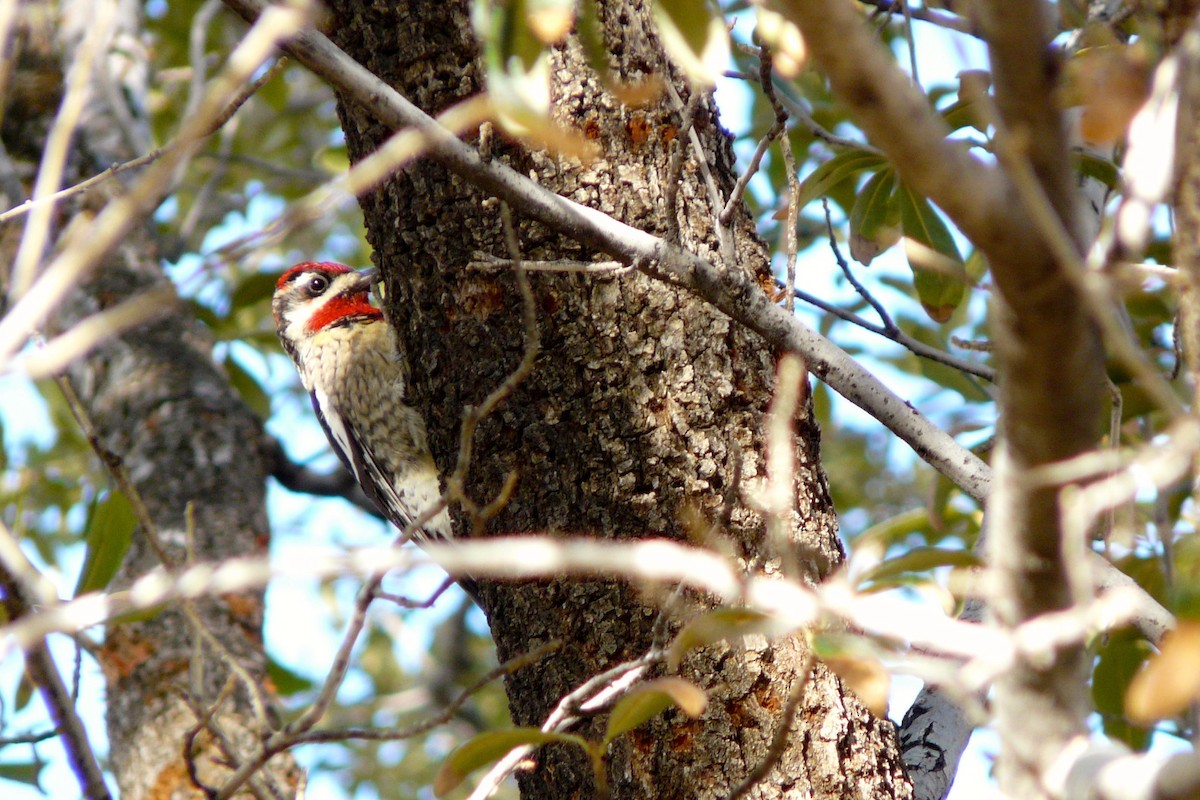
<point x="60" y="705"/>
<point x="81" y="252"/>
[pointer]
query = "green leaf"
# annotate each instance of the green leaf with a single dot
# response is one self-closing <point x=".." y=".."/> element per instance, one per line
<point x="922" y="223"/>
<point x="717" y="626"/>
<point x="488" y="747"/>
<point x="897" y="529"/>
<point x="875" y="218"/>
<point x="203" y="313"/>
<point x="252" y="394"/>
<point x="937" y="265"/>
<point x="25" y="690"/>
<point x="844" y="165"/>
<point x="695" y="37"/>
<point x="508" y="42"/>
<point x="253" y="288"/>
<point x="27" y="772"/>
<point x="921" y="559"/>
<point x="285" y="681"/>
<point x="942" y="374"/>
<point x="108" y="532"/>
<point x="1101" y="169"/>
<point x="1119" y="658"/>
<point x="964" y="113"/>
<point x="976" y="266"/>
<point x="651" y="699"/>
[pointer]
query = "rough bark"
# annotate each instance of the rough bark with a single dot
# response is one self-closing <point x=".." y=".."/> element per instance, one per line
<point x="167" y="415"/>
<point x="166" y="411"/>
<point x="1187" y="209"/>
<point x="641" y="405"/>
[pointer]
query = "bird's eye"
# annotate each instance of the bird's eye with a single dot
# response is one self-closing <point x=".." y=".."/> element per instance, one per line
<point x="317" y="284"/>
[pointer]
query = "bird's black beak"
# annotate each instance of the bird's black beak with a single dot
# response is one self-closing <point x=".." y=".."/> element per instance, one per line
<point x="363" y="281"/>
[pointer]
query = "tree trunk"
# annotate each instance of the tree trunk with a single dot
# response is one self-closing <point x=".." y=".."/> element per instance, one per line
<point x="167" y="415"/>
<point x="643" y="409"/>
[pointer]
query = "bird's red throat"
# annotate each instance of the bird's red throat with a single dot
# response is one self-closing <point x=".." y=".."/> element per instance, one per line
<point x="342" y="308"/>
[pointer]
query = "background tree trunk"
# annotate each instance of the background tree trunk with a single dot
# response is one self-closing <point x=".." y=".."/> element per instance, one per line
<point x="642" y="406"/>
<point x="167" y="415"/>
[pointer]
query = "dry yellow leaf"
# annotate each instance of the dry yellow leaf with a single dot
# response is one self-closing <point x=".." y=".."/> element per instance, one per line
<point x="1170" y="680"/>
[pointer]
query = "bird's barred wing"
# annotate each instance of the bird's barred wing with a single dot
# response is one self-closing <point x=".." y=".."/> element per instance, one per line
<point x="336" y="433"/>
<point x="401" y="498"/>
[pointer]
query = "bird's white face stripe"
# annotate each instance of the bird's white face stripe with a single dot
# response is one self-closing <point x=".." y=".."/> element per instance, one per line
<point x="297" y="315"/>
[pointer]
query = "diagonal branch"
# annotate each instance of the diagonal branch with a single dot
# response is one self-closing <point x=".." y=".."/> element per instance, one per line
<point x="734" y="293"/>
<point x="58" y="699"/>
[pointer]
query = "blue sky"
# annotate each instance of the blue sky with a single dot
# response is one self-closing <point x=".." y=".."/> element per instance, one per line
<point x="301" y="520"/>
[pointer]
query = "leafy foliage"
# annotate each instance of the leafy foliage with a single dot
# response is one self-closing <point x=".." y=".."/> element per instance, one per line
<point x="934" y="286"/>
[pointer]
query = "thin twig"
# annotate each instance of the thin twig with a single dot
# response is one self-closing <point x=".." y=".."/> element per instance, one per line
<point x="29" y="738"/>
<point x="388" y="735"/>
<point x="487" y="261"/>
<point x="120" y="476"/>
<point x="942" y="19"/>
<point x="151" y="157"/>
<point x="777" y="128"/>
<point x="203" y="720"/>
<point x="797" y="111"/>
<point x="40" y="666"/>
<point x="409" y="603"/>
<point x="298" y="478"/>
<point x="915" y="346"/>
<point x="279" y="740"/>
<point x="36" y="236"/>
<point x="473" y="415"/>
<point x="81" y="252"/>
<point x="115" y="467"/>
<point x="283" y="740"/>
<point x="402" y="148"/>
<point x="884" y="317"/>
<point x="54" y="356"/>
<point x="675" y="166"/>
<point x="910" y="40"/>
<point x="592" y="694"/>
<point x="792" y="220"/>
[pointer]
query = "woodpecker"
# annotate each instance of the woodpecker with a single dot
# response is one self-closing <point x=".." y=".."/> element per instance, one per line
<point x="346" y="354"/>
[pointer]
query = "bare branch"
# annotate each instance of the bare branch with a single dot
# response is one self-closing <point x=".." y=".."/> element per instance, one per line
<point x="28" y="738"/>
<point x="916" y="346"/>
<point x="942" y="19"/>
<point x="117" y="169"/>
<point x="489" y="262"/>
<point x="299" y="478"/>
<point x="82" y="250"/>
<point x="593" y="694"/>
<point x="393" y="734"/>
<point x="951" y="172"/>
<point x="37" y="233"/>
<point x="59" y="702"/>
<point x="675" y="165"/>
<point x="86" y="335"/>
